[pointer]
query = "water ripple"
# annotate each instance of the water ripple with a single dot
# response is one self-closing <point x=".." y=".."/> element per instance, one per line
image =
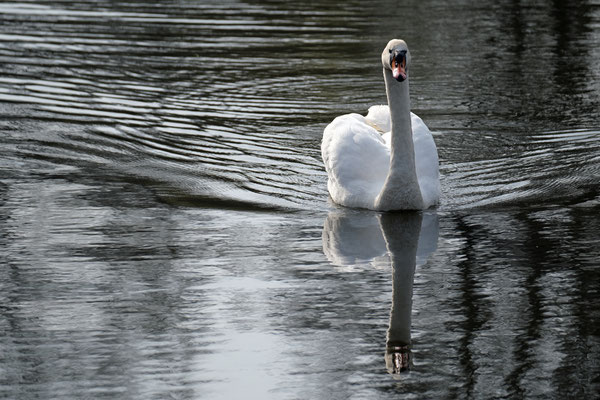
<point x="219" y="116"/>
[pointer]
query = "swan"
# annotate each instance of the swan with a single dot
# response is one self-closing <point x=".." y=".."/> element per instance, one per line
<point x="398" y="170"/>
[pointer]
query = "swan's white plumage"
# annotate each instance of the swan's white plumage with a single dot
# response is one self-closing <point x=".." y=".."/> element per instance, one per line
<point x="357" y="158"/>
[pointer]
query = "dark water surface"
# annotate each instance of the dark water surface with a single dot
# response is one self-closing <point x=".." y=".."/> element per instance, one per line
<point x="165" y="229"/>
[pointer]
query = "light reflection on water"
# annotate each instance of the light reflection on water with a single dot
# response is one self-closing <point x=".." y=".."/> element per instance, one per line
<point x="164" y="222"/>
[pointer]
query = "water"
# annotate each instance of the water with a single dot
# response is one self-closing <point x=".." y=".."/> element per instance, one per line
<point x="165" y="230"/>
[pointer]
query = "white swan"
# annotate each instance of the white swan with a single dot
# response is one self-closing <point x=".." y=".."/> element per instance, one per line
<point x="396" y="171"/>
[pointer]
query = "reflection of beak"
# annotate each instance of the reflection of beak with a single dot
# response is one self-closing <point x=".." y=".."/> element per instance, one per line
<point x="398" y="360"/>
<point x="398" y="64"/>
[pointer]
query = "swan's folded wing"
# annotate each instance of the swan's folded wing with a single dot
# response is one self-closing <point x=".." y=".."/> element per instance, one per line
<point x="356" y="160"/>
<point x="426" y="161"/>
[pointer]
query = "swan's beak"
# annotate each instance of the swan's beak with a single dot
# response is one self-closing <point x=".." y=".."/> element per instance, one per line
<point x="398" y="64"/>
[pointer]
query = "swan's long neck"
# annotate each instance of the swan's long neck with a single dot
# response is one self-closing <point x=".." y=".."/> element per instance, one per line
<point x="401" y="189"/>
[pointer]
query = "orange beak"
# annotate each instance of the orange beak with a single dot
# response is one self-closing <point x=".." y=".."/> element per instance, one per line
<point x="399" y="69"/>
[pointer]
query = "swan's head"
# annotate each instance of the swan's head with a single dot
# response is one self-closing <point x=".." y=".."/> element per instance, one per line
<point x="396" y="58"/>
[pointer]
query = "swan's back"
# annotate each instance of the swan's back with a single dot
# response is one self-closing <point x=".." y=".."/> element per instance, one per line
<point x="357" y="158"/>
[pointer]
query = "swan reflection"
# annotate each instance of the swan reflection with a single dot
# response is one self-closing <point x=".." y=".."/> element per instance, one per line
<point x="405" y="240"/>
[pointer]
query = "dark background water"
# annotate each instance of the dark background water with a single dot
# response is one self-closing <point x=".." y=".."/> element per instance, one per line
<point x="165" y="228"/>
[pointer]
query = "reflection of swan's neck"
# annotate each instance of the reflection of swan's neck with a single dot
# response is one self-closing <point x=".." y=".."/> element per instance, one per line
<point x="398" y="349"/>
<point x="400" y="316"/>
<point x="401" y="233"/>
<point x="401" y="189"/>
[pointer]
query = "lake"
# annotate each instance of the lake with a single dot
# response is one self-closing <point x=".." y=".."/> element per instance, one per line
<point x="165" y="226"/>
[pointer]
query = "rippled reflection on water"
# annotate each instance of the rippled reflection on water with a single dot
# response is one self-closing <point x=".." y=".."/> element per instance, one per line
<point x="164" y="222"/>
